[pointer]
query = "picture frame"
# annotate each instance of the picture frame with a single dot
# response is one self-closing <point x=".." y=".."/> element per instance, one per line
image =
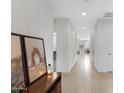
<point x="18" y="71"/>
<point x="35" y="57"/>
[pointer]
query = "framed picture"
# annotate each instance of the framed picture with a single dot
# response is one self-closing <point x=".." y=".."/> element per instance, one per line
<point x="35" y="56"/>
<point x="17" y="60"/>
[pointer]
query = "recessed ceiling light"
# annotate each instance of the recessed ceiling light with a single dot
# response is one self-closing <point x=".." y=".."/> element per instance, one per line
<point x="54" y="33"/>
<point x="84" y="27"/>
<point x="83" y="14"/>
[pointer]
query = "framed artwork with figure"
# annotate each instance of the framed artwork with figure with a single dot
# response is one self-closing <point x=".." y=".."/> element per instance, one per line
<point x="17" y="63"/>
<point x="35" y="57"/>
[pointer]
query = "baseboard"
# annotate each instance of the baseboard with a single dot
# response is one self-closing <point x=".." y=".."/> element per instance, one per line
<point x="73" y="64"/>
<point x="99" y="69"/>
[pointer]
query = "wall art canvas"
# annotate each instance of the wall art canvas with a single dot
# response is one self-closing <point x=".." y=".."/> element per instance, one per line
<point x="17" y="76"/>
<point x="35" y="57"/>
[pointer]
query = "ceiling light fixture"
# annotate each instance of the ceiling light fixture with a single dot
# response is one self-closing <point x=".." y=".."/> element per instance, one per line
<point x="83" y="14"/>
<point x="84" y="28"/>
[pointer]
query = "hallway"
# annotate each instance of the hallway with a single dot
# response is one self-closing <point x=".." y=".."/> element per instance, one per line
<point x="84" y="79"/>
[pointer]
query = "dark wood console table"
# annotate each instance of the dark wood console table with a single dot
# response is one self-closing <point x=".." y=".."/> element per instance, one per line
<point x="46" y="84"/>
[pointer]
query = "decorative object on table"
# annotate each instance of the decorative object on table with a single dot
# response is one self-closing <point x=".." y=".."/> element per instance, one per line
<point x="78" y="52"/>
<point x="35" y="57"/>
<point x="17" y="61"/>
<point x="88" y="50"/>
<point x="49" y="72"/>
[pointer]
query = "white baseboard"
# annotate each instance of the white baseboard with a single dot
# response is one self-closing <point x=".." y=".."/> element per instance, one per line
<point x="99" y="69"/>
<point x="76" y="59"/>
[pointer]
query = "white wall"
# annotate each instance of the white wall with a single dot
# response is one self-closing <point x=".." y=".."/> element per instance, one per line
<point x="66" y="45"/>
<point x="83" y="35"/>
<point x="72" y="47"/>
<point x="54" y="41"/>
<point x="103" y="45"/>
<point x="34" y="17"/>
<point x="77" y="45"/>
<point x="87" y="44"/>
<point x="62" y="53"/>
<point x="92" y="46"/>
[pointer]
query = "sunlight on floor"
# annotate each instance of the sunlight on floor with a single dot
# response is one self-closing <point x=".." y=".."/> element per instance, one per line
<point x="87" y="65"/>
<point x="85" y="79"/>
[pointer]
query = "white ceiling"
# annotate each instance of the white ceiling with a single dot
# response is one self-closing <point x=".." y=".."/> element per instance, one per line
<point x="72" y="9"/>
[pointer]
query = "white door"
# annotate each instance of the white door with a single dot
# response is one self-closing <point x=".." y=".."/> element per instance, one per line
<point x="110" y="51"/>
